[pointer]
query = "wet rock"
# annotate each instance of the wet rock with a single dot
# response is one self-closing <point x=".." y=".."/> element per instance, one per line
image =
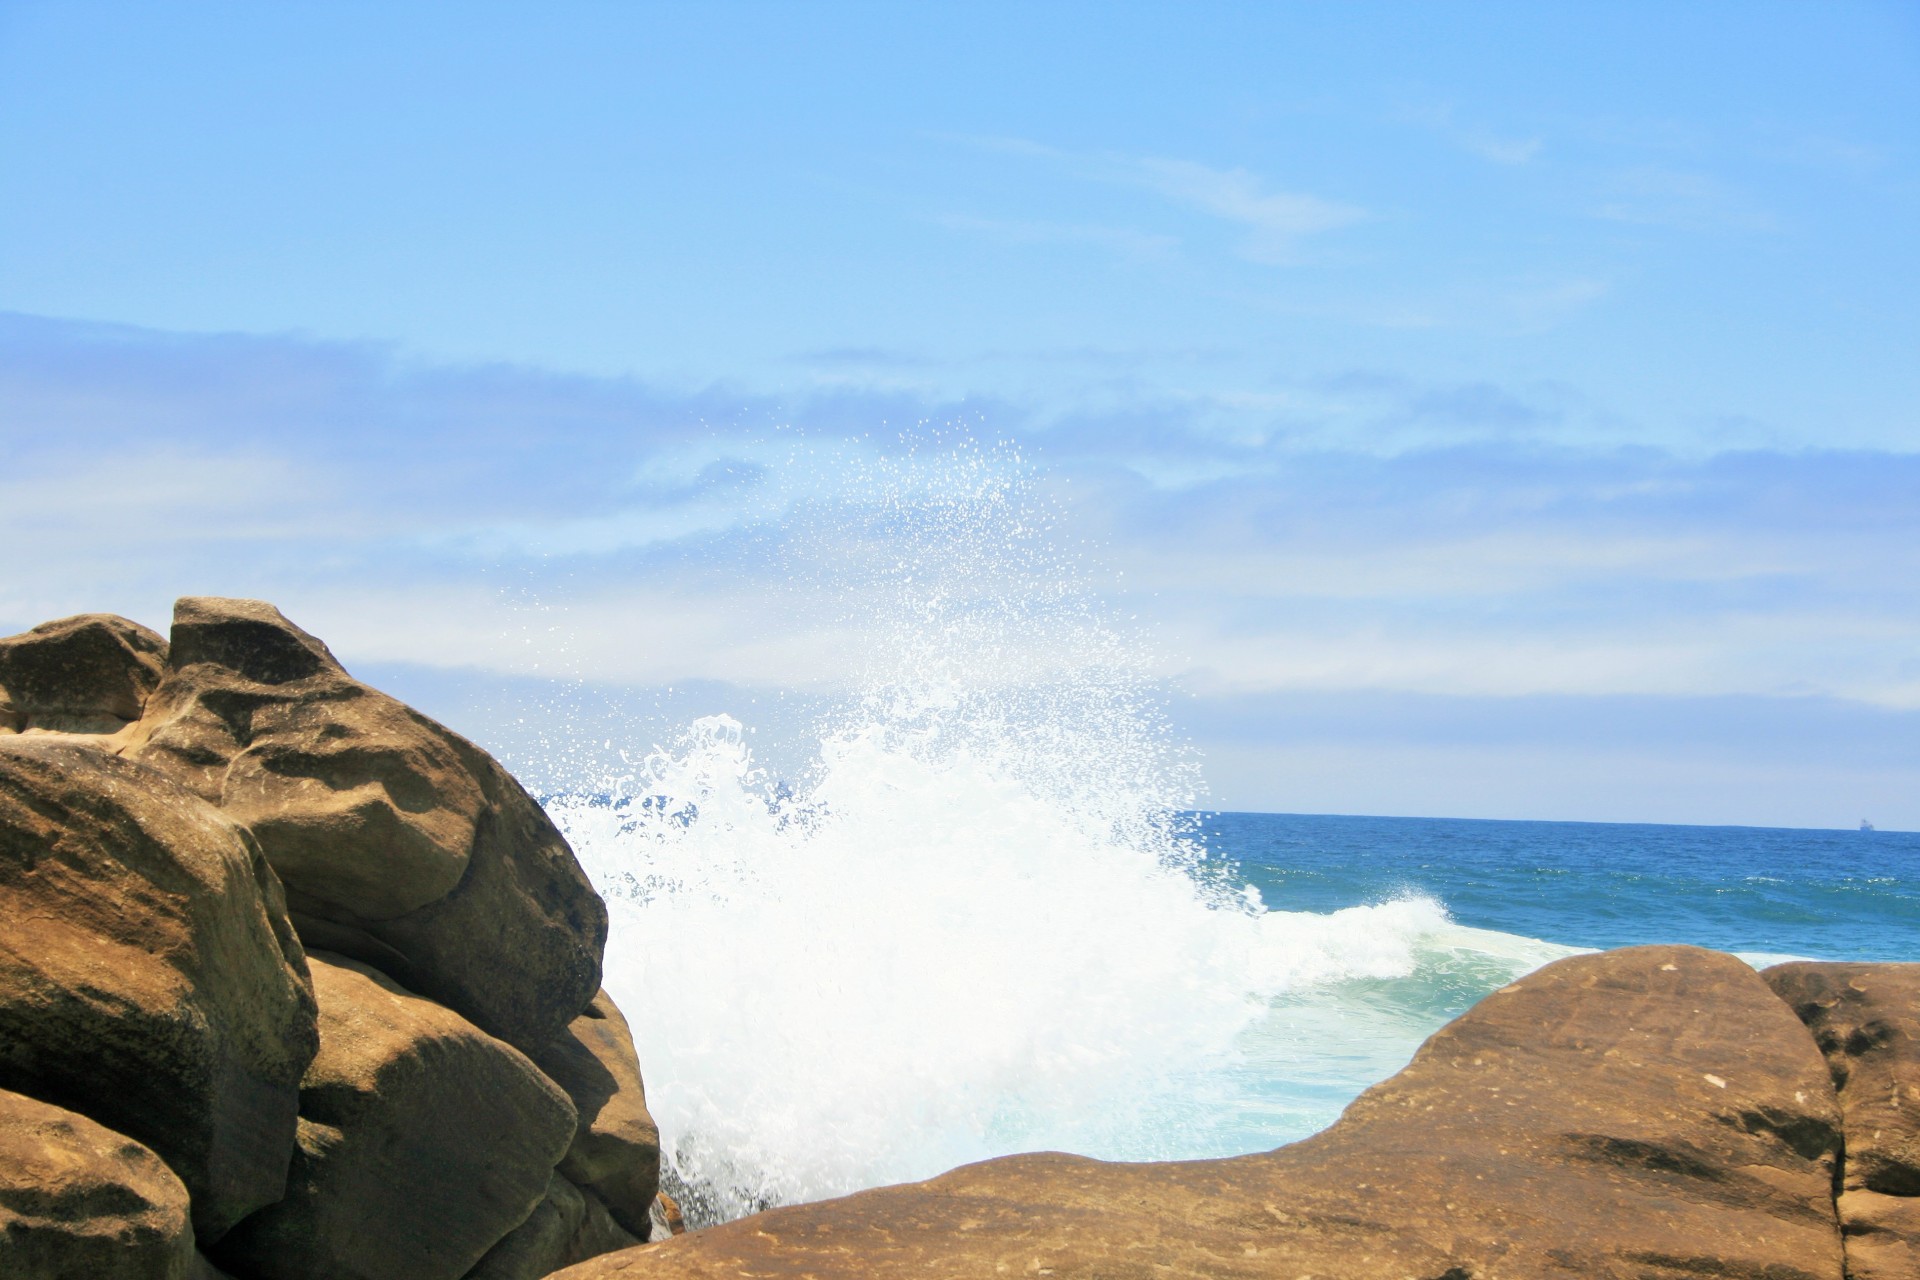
<point x="665" y="1218"/>
<point x="1654" y="1112"/>
<point x="400" y="843"/>
<point x="79" y="1200"/>
<point x="89" y="674"/>
<point x="149" y="978"/>
<point x="569" y="1225"/>
<point x="1866" y="1019"/>
<point x="616" y="1148"/>
<point x="423" y="1141"/>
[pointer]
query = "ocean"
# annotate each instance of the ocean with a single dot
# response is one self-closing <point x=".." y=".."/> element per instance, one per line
<point x="988" y="913"/>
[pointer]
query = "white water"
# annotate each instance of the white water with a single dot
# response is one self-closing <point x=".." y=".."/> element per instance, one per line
<point x="975" y="925"/>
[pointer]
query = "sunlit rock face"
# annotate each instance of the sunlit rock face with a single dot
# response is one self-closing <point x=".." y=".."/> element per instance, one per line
<point x="180" y="821"/>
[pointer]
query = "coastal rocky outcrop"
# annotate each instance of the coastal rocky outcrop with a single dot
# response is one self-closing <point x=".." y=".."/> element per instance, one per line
<point x="1863" y="1016"/>
<point x="148" y="976"/>
<point x="296" y="984"/>
<point x="399" y="842"/>
<point x="77" y="1199"/>
<point x="278" y="955"/>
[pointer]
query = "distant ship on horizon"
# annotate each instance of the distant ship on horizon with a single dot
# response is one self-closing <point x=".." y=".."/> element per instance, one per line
<point x="1865" y="825"/>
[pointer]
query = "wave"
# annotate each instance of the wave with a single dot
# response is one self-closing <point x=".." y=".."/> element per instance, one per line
<point x="981" y="921"/>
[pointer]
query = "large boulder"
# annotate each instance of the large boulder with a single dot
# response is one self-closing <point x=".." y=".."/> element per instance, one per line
<point x="1866" y="1019"/>
<point x="77" y="1199"/>
<point x="400" y="842"/>
<point x="88" y="674"/>
<point x="423" y="1141"/>
<point x="1653" y="1113"/>
<point x="569" y="1225"/>
<point x="149" y="978"/>
<point x="616" y="1146"/>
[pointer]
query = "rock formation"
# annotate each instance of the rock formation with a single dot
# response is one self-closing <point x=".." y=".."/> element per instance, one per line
<point x="1866" y="1019"/>
<point x="400" y="843"/>
<point x="180" y="821"/>
<point x="148" y="977"/>
<point x="77" y="1199"/>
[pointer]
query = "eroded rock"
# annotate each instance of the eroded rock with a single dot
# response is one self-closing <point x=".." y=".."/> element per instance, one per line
<point x="1654" y="1112"/>
<point x="1866" y="1019"/>
<point x="616" y="1147"/>
<point x="400" y="842"/>
<point x="149" y="978"/>
<point x="79" y="1200"/>
<point x="569" y="1225"/>
<point x="88" y="674"/>
<point x="423" y="1141"/>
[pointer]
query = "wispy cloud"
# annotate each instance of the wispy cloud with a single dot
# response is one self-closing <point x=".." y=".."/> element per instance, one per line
<point x="1496" y="148"/>
<point x="1123" y="242"/>
<point x="1365" y="536"/>
<point x="1650" y="195"/>
<point x="1276" y="221"/>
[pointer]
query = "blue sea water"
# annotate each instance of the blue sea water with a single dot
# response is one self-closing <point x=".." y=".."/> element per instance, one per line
<point x="1753" y="890"/>
<point x="1457" y="908"/>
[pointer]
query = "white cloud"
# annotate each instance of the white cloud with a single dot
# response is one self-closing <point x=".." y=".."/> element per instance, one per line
<point x="1276" y="220"/>
<point x="1123" y="242"/>
<point x="1650" y="195"/>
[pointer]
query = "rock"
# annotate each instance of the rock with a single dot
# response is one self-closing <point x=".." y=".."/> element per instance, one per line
<point x="400" y="843"/>
<point x="665" y="1218"/>
<point x="616" y="1148"/>
<point x="1652" y="1113"/>
<point x="570" y="1225"/>
<point x="423" y="1141"/>
<point x="79" y="1200"/>
<point x="1866" y="1020"/>
<point x="89" y="674"/>
<point x="148" y="975"/>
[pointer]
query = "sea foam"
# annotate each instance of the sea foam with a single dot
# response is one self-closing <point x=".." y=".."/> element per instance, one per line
<point x="978" y="921"/>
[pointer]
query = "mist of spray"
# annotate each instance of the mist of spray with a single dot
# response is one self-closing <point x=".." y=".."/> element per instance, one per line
<point x="978" y="922"/>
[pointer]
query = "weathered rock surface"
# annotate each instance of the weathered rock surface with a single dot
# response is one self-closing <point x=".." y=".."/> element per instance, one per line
<point x="148" y="975"/>
<point x="567" y="1226"/>
<point x="1652" y="1113"/>
<point x="79" y="1200"/>
<point x="400" y="843"/>
<point x="88" y="674"/>
<point x="1866" y="1019"/>
<point x="423" y="1141"/>
<point x="616" y="1147"/>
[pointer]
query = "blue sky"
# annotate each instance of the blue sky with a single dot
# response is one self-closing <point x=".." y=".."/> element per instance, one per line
<point x="1504" y="411"/>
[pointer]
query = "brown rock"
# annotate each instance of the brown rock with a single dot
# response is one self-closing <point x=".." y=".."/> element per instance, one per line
<point x="1866" y="1019"/>
<point x="400" y="842"/>
<point x="570" y="1225"/>
<point x="666" y="1218"/>
<point x="87" y="674"/>
<point x="1651" y="1113"/>
<point x="1881" y="1235"/>
<point x="616" y="1149"/>
<point x="423" y="1141"/>
<point x="79" y="1200"/>
<point x="148" y="976"/>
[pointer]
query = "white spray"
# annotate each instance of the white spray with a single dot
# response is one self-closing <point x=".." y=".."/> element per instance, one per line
<point x="979" y="923"/>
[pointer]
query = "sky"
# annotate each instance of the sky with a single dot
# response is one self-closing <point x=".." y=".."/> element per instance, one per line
<point x="1494" y="411"/>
